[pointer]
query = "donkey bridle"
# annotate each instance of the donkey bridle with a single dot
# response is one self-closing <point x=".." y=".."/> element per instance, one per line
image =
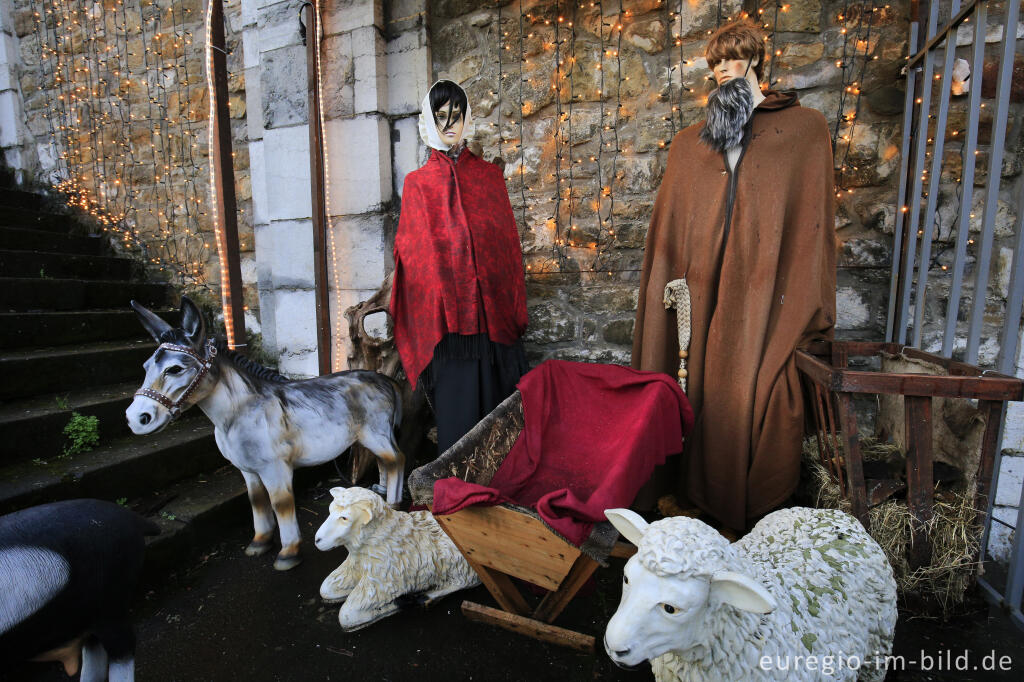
<point x="174" y="406"/>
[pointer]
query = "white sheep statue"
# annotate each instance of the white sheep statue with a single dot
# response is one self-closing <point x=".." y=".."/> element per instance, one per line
<point x="391" y="554"/>
<point x="807" y="594"/>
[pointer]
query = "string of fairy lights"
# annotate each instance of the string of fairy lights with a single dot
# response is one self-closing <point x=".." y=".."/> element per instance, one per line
<point x="118" y="84"/>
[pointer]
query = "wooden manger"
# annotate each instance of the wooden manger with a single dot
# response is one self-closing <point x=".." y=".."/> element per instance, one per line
<point x="832" y="388"/>
<point x="506" y="541"/>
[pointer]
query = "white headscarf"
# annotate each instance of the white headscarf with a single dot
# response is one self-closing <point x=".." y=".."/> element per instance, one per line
<point x="428" y="128"/>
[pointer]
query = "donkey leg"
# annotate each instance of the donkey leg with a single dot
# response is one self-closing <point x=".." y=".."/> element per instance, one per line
<point x="262" y="515"/>
<point x="278" y="481"/>
<point x="390" y="463"/>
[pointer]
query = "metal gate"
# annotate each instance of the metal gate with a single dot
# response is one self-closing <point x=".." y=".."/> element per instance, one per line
<point x="915" y="307"/>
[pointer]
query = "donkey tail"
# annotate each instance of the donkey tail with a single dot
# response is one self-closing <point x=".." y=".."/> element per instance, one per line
<point x="396" y="392"/>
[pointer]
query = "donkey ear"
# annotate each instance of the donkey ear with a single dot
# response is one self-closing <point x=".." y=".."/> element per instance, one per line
<point x="743" y="592"/>
<point x="629" y="523"/>
<point x="151" y="322"/>
<point x="192" y="322"/>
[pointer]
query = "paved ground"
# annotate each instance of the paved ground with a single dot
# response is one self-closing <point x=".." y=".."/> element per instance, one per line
<point x="232" y="617"/>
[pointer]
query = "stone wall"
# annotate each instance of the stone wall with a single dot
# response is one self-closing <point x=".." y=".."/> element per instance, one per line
<point x="135" y="144"/>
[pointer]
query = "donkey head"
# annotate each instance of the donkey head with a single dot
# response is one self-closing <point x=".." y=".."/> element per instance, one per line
<point x="176" y="374"/>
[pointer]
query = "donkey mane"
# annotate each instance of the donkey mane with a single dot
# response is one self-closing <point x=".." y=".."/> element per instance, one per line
<point x="250" y="369"/>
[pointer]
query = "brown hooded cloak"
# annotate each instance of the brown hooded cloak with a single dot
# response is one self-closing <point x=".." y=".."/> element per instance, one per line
<point x="758" y="253"/>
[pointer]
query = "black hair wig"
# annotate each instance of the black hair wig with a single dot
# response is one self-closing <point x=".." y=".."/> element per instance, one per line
<point x="447" y="91"/>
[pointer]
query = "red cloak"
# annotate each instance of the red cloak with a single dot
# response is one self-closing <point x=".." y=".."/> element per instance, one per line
<point x="458" y="260"/>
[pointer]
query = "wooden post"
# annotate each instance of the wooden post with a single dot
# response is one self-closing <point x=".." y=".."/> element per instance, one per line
<point x="857" y="491"/>
<point x="318" y="196"/>
<point x="224" y="181"/>
<point x="920" y="481"/>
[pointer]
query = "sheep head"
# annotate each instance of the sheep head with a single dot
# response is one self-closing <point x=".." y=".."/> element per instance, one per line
<point x="678" y="574"/>
<point x="350" y="512"/>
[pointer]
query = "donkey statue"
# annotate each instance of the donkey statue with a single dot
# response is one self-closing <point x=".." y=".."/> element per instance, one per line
<point x="265" y="424"/>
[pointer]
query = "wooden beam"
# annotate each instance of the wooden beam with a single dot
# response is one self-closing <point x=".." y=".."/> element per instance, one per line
<point x="555" y="602"/>
<point x="529" y="627"/>
<point x="623" y="550"/>
<point x="317" y="193"/>
<point x="224" y="181"/>
<point x="920" y="479"/>
<point x="856" y="489"/>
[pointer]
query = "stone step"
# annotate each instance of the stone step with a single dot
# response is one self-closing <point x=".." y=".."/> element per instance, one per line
<point x="17" y="198"/>
<point x="23" y="293"/>
<point x="193" y="514"/>
<point x="19" y="239"/>
<point x="30" y="219"/>
<point x="53" y="370"/>
<point x="123" y="468"/>
<point x="24" y="329"/>
<point x="42" y="265"/>
<point x="34" y="428"/>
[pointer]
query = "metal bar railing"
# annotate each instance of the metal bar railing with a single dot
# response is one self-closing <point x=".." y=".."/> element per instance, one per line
<point x="921" y="146"/>
<point x="933" y="42"/>
<point x="995" y="165"/>
<point x="1015" y="298"/>
<point x="902" y="202"/>
<point x="933" y="180"/>
<point x="966" y="179"/>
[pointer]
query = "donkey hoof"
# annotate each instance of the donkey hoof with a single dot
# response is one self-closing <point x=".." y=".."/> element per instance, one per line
<point x="258" y="548"/>
<point x="284" y="563"/>
<point x="379" y="489"/>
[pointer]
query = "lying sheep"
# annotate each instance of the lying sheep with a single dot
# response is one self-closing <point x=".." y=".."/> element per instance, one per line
<point x="390" y="554"/>
<point x="806" y="595"/>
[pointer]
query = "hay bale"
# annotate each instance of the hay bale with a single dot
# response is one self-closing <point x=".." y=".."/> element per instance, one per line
<point x="953" y="531"/>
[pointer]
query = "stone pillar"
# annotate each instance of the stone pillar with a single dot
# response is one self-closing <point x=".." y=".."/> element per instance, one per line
<point x="375" y="72"/>
<point x="1011" y="471"/>
<point x="16" y="143"/>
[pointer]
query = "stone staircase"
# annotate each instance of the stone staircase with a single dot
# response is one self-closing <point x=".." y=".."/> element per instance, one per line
<point x="70" y="343"/>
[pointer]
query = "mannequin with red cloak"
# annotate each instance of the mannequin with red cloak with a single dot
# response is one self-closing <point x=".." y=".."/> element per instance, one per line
<point x="745" y="214"/>
<point x="459" y="296"/>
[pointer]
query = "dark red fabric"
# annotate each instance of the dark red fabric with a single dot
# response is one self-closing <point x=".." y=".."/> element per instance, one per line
<point x="458" y="261"/>
<point x="592" y="436"/>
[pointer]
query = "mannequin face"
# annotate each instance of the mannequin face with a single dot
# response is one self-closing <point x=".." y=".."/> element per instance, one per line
<point x="453" y="132"/>
<point x="736" y="68"/>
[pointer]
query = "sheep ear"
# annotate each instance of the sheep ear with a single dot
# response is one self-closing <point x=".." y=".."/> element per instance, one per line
<point x="363" y="508"/>
<point x="742" y="592"/>
<point x="629" y="523"/>
<point x="335" y="492"/>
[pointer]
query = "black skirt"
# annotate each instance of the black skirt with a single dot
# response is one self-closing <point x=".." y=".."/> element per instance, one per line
<point x="467" y="378"/>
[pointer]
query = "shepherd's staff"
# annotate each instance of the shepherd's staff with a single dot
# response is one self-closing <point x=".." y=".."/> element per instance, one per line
<point x="677" y="295"/>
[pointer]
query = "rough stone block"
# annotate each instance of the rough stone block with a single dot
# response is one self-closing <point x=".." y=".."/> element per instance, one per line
<point x="852" y="311"/>
<point x="258" y="181"/>
<point x="283" y="91"/>
<point x="279" y="27"/>
<point x="408" y="75"/>
<point x="360" y="164"/>
<point x="250" y="47"/>
<point x="370" y="59"/>
<point x="1013" y="429"/>
<point x="291" y="260"/>
<point x="347" y="15"/>
<point x="549" y="323"/>
<point x="287" y="174"/>
<point x="1000" y="538"/>
<point x="303" y="365"/>
<point x="295" y="316"/>
<point x="361" y="258"/>
<point x="405" y="150"/>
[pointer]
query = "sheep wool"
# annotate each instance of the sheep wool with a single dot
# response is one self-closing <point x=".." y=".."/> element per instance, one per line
<point x="834" y="593"/>
<point x="390" y="554"/>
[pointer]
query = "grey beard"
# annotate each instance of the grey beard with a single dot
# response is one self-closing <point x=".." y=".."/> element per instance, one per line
<point x="729" y="108"/>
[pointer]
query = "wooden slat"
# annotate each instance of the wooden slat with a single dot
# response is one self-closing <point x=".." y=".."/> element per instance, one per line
<point x="857" y="491"/>
<point x="502" y="589"/>
<point x="623" y="550"/>
<point x="993" y="411"/>
<point x="554" y="603"/>
<point x="920" y="481"/>
<point x="981" y="388"/>
<point x="511" y="542"/>
<point x="529" y="627"/>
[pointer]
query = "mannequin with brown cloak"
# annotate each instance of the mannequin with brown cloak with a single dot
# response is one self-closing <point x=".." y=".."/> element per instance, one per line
<point x="748" y="221"/>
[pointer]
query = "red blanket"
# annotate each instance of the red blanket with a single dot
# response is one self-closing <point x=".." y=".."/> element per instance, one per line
<point x="592" y="436"/>
<point x="458" y="262"/>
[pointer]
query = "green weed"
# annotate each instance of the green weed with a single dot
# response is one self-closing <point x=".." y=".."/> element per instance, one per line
<point x="83" y="434"/>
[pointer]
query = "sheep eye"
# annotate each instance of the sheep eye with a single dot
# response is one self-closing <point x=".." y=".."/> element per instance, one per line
<point x="173" y="369"/>
<point x="669" y="608"/>
<point x="625" y="580"/>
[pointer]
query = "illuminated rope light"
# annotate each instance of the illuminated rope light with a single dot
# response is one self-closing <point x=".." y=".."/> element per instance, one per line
<point x="336" y="359"/>
<point x="225" y="291"/>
